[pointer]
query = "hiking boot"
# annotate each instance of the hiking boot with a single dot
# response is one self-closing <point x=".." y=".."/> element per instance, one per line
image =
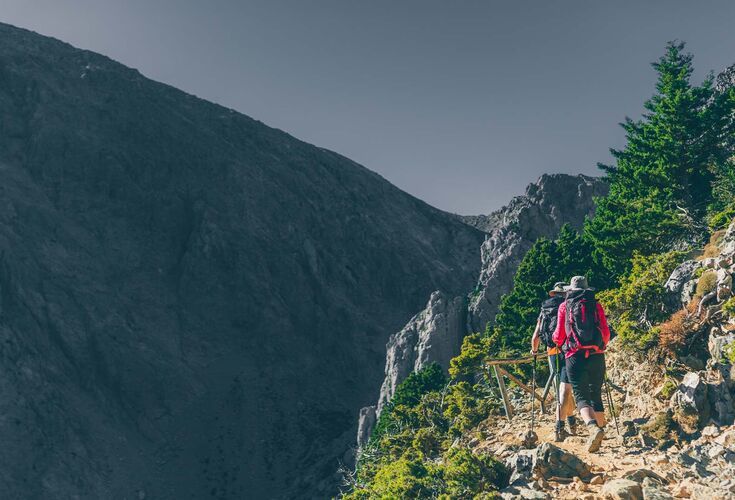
<point x="572" y="423"/>
<point x="595" y="439"/>
<point x="560" y="434"/>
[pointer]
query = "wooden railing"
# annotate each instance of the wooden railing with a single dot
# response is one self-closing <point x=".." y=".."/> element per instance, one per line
<point x="500" y="373"/>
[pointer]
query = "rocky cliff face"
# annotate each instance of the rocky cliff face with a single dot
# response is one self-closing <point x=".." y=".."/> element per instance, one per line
<point x="435" y="334"/>
<point x="548" y="204"/>
<point x="192" y="304"/>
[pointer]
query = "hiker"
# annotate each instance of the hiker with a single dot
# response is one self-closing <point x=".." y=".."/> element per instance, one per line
<point x="545" y="328"/>
<point x="583" y="334"/>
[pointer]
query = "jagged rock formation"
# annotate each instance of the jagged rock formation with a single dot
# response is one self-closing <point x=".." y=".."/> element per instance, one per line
<point x="435" y="334"/>
<point x="193" y="305"/>
<point x="432" y="336"/>
<point x="548" y="204"/>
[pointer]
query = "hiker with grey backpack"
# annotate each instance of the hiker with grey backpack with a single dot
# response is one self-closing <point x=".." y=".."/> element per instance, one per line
<point x="545" y="328"/>
<point x="582" y="333"/>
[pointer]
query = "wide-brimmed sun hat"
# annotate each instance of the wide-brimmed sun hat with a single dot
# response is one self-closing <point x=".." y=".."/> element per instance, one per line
<point x="578" y="283"/>
<point x="559" y="287"/>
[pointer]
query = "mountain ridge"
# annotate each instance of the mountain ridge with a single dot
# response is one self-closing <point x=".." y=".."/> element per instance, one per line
<point x="185" y="288"/>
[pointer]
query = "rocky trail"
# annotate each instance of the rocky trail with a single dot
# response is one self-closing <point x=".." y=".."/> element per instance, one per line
<point x="634" y="464"/>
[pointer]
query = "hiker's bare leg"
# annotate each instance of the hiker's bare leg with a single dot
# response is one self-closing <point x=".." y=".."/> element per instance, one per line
<point x="588" y="414"/>
<point x="600" y="418"/>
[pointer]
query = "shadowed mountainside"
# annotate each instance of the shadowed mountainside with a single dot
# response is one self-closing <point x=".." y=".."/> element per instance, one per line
<point x="192" y="304"/>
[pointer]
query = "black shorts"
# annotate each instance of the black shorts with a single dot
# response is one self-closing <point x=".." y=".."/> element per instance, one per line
<point x="556" y="362"/>
<point x="587" y="374"/>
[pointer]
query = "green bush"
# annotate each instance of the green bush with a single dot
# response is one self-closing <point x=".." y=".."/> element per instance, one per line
<point x="402" y="478"/>
<point x="729" y="352"/>
<point x="639" y="302"/>
<point x="722" y="219"/>
<point x="467" y="474"/>
<point x="408" y="394"/>
<point x="468" y="362"/>
<point x="467" y="405"/>
<point x="670" y="386"/>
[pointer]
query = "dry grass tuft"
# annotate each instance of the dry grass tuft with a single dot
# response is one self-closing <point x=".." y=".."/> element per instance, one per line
<point x="707" y="283"/>
<point x="674" y="332"/>
<point x="712" y="249"/>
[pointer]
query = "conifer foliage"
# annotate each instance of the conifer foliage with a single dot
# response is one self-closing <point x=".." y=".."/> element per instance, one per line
<point x="662" y="182"/>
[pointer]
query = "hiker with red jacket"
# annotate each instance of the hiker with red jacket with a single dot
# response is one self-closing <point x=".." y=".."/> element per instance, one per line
<point x="545" y="328"/>
<point x="582" y="333"/>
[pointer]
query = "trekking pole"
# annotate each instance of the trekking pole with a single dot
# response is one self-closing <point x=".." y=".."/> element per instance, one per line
<point x="533" y="393"/>
<point x="557" y="383"/>
<point x="531" y="438"/>
<point x="610" y="402"/>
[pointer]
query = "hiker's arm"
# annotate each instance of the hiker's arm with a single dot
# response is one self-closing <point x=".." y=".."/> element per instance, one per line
<point x="604" y="328"/>
<point x="560" y="334"/>
<point x="535" y="340"/>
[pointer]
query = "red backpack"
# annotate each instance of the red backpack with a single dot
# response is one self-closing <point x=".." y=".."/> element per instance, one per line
<point x="582" y="323"/>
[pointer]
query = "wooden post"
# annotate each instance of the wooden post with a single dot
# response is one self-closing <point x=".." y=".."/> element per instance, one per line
<point x="523" y="386"/>
<point x="506" y="401"/>
<point x="547" y="387"/>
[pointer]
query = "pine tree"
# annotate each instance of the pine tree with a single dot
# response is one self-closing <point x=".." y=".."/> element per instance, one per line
<point x="661" y="183"/>
<point x="543" y="265"/>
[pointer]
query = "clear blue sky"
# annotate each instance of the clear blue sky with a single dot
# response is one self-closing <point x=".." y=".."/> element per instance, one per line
<point x="461" y="103"/>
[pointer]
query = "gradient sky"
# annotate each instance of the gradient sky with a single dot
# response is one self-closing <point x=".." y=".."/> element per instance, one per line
<point x="461" y="103"/>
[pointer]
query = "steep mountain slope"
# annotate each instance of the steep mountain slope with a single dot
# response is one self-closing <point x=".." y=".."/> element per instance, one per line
<point x="192" y="304"/>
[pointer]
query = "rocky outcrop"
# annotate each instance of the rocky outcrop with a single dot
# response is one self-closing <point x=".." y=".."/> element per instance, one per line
<point x="365" y="426"/>
<point x="432" y="336"/>
<point x="187" y="289"/>
<point x="548" y="204"/>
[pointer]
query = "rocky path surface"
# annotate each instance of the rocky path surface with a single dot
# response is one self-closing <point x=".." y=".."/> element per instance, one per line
<point x="633" y="464"/>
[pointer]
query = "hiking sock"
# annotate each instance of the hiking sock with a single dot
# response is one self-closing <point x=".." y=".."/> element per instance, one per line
<point x="592" y="423"/>
<point x="571" y="421"/>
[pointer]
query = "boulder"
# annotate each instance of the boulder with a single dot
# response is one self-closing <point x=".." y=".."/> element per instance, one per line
<point x="521" y="466"/>
<point x="651" y="492"/>
<point x="690" y="402"/>
<point x="727" y="245"/>
<point x="717" y="343"/>
<point x="514" y="492"/>
<point x="552" y="461"/>
<point x="687" y="292"/>
<point x="622" y="489"/>
<point x="678" y="279"/>
<point x="721" y="401"/>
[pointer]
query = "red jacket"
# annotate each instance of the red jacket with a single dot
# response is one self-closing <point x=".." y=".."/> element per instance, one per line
<point x="560" y="334"/>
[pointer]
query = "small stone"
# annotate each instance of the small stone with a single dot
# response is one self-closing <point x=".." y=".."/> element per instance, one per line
<point x="622" y="489"/>
<point x="597" y="480"/>
<point x="711" y="431"/>
<point x="715" y="451"/>
<point x="682" y="490"/>
<point x="639" y="475"/>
